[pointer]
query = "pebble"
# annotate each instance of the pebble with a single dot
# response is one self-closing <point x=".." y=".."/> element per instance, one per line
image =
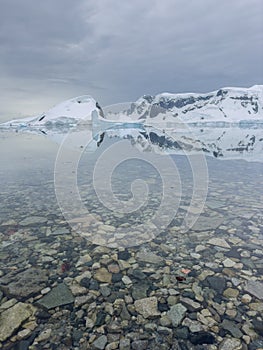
<point x="219" y="242"/>
<point x="231" y="293"/>
<point x="100" y="342"/>
<point x="228" y="263"/>
<point x="230" y="344"/>
<point x="176" y="314"/>
<point x="103" y="275"/>
<point x="147" y="307"/>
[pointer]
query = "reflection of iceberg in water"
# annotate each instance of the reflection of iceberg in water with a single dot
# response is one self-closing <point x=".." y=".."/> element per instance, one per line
<point x="83" y="118"/>
<point x="221" y="143"/>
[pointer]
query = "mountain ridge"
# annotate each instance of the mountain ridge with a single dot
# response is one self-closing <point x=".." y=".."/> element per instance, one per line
<point x="229" y="103"/>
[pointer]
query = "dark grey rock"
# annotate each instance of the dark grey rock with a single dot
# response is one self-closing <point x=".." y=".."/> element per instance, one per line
<point x="258" y="325"/>
<point x="125" y="315"/>
<point x="85" y="282"/>
<point x="138" y="274"/>
<point x="76" y="335"/>
<point x="116" y="277"/>
<point x="24" y="284"/>
<point x="256" y="344"/>
<point x="139" y="291"/>
<point x="100" y="320"/>
<point x="182" y="332"/>
<point x="124" y="255"/>
<point x="201" y="337"/>
<point x="190" y="304"/>
<point x="216" y="283"/>
<point x="58" y="296"/>
<point x="231" y="328"/>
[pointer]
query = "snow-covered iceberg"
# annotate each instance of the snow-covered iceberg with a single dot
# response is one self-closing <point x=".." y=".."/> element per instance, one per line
<point x="226" y="105"/>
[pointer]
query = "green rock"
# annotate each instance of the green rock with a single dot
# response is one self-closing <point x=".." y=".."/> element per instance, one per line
<point x="58" y="296"/>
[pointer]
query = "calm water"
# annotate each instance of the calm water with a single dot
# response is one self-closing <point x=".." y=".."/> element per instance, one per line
<point x="65" y="211"/>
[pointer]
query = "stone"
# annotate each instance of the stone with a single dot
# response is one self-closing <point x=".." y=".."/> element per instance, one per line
<point x="228" y="263"/>
<point x="33" y="220"/>
<point x="6" y="305"/>
<point x="83" y="260"/>
<point x="182" y="332"/>
<point x="176" y="314"/>
<point x="24" y="284"/>
<point x="246" y="298"/>
<point x="58" y="296"/>
<point x="165" y="321"/>
<point x="113" y="268"/>
<point x="255" y="288"/>
<point x="112" y="346"/>
<point x="89" y="323"/>
<point x="219" y="242"/>
<point x="204" y="274"/>
<point x="124" y="255"/>
<point x="202" y="337"/>
<point x="194" y="326"/>
<point x="103" y="275"/>
<point x="230" y="344"/>
<point x="231" y="293"/>
<point x="138" y="274"/>
<point x="248" y="329"/>
<point x="190" y="304"/>
<point x="126" y="280"/>
<point x="216" y="283"/>
<point x="139" y="290"/>
<point x="258" y="326"/>
<point x="12" y="318"/>
<point x="83" y="299"/>
<point x="105" y="291"/>
<point x="45" y="335"/>
<point x="149" y="257"/>
<point x="100" y="342"/>
<point x="23" y="334"/>
<point x="58" y="232"/>
<point x="147" y="307"/>
<point x="205" y="223"/>
<point x="125" y="344"/>
<point x="231" y="328"/>
<point x="140" y="344"/>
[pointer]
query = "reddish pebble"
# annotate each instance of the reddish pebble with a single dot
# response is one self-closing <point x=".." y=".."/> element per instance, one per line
<point x="180" y="278"/>
<point x="65" y="266"/>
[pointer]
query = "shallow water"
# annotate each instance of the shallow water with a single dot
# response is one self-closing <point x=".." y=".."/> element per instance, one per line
<point x="34" y="232"/>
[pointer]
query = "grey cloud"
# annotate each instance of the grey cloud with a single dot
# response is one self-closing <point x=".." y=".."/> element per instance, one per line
<point x="118" y="50"/>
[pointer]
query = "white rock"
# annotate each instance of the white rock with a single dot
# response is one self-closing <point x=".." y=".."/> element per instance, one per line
<point x="219" y="242"/>
<point x="228" y="263"/>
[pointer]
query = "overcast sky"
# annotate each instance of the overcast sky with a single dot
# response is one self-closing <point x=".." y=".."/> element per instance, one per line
<point x="118" y="50"/>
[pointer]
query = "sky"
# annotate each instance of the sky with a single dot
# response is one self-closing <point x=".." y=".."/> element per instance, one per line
<point x="117" y="50"/>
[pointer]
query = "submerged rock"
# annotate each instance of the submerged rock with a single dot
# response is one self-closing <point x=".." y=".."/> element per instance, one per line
<point x="12" y="318"/>
<point x="24" y="284"/>
<point x="59" y="295"/>
<point x="177" y="314"/>
<point x="255" y="288"/>
<point x="147" y="307"/>
<point x="202" y="337"/>
<point x="33" y="220"/>
<point x="149" y="257"/>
